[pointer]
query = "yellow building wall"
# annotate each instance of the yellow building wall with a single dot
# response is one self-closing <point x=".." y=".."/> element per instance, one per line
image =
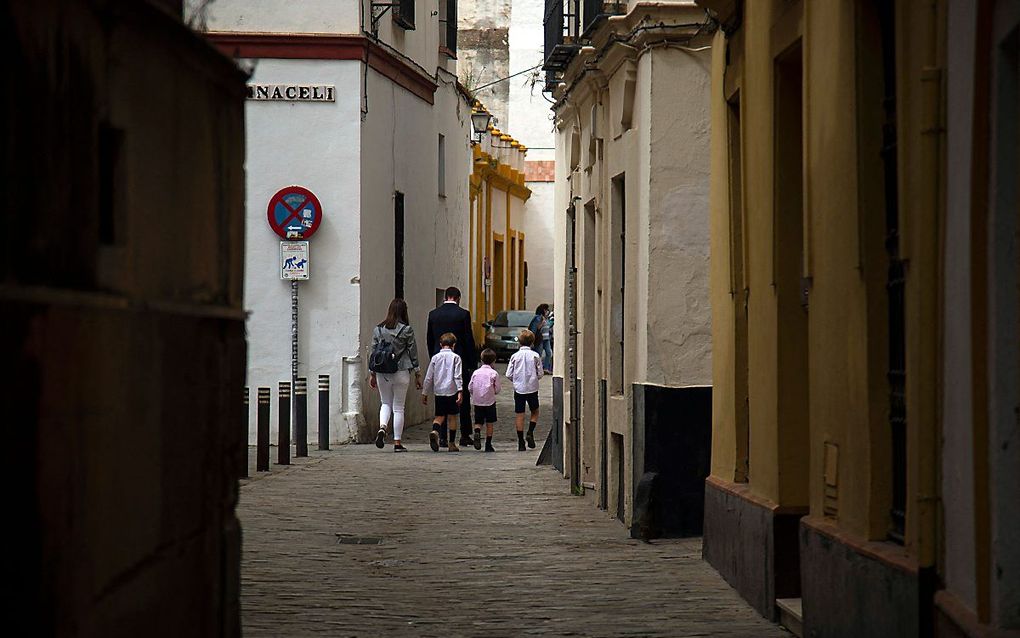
<point x="724" y="401"/>
<point x="844" y="259"/>
<point x="497" y="191"/>
<point x="838" y="356"/>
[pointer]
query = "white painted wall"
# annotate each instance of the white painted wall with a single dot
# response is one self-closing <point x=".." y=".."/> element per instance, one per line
<point x="539" y="234"/>
<point x="353" y="162"/>
<point x="399" y="141"/>
<point x="530" y="120"/>
<point x="285" y="146"/>
<point x="280" y="16"/>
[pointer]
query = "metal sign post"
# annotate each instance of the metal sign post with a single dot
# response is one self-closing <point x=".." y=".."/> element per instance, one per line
<point x="293" y="335"/>
<point x="294" y="213"/>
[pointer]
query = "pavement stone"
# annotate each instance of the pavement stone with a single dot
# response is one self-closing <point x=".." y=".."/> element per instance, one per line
<point x="472" y="544"/>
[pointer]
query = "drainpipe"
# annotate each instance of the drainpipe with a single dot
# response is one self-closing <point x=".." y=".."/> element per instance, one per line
<point x="352" y="404"/>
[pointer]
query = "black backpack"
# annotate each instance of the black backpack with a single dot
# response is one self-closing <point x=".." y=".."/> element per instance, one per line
<point x="384" y="357"/>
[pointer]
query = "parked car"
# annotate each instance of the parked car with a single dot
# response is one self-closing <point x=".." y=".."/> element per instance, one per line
<point x="501" y="333"/>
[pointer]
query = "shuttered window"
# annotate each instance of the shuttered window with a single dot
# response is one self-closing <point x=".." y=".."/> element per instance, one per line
<point x="403" y="14"/>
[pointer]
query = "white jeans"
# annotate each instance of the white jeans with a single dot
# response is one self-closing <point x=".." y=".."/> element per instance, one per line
<point x="393" y="392"/>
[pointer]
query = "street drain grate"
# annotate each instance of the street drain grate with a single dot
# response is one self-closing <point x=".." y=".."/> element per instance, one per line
<point x="348" y="539"/>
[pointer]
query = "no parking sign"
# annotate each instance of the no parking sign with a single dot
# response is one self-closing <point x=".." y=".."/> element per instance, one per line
<point x="294" y="213"/>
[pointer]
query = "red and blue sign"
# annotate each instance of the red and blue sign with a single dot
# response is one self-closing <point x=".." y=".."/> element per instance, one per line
<point x="294" y="213"/>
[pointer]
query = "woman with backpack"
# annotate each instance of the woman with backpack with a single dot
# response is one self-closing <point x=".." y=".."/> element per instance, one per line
<point x="394" y="356"/>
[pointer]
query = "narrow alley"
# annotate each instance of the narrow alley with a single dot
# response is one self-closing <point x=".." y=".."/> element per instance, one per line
<point x="470" y="544"/>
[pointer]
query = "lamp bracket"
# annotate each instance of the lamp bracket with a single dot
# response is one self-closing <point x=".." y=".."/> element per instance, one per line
<point x="379" y="9"/>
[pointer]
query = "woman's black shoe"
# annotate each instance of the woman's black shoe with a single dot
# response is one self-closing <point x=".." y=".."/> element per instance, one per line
<point x="380" y="438"/>
<point x="399" y="448"/>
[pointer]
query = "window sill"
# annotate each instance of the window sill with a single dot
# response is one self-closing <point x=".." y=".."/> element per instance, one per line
<point x="448" y="53"/>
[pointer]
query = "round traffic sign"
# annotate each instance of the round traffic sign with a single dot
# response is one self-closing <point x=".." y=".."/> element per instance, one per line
<point x="294" y="213"/>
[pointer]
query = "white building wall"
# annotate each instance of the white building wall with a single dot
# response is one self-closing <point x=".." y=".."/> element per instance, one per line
<point x="530" y="119"/>
<point x="539" y="233"/>
<point x="420" y="44"/>
<point x="286" y="146"/>
<point x="399" y="142"/>
<point x="280" y="16"/>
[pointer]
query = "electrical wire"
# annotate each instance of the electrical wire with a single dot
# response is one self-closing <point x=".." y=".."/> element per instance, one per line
<point x="485" y="86"/>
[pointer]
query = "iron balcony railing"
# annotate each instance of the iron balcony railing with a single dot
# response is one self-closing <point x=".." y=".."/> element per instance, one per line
<point x="561" y="33"/>
<point x="594" y="10"/>
<point x="568" y="23"/>
<point x="403" y="14"/>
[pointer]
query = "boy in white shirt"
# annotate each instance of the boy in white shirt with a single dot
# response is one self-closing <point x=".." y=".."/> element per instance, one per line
<point x="524" y="370"/>
<point x="445" y="379"/>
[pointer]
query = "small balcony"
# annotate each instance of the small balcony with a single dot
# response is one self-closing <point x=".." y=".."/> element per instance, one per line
<point x="561" y="33"/>
<point x="569" y="23"/>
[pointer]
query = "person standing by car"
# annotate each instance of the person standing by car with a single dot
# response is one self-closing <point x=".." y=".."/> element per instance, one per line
<point x="450" y="317"/>
<point x="396" y="330"/>
<point x="547" y="343"/>
<point x="538" y="328"/>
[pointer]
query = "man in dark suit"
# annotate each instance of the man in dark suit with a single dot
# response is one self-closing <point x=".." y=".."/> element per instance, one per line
<point x="450" y="317"/>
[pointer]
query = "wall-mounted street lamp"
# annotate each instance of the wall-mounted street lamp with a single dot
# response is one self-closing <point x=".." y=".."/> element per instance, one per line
<point x="480" y="123"/>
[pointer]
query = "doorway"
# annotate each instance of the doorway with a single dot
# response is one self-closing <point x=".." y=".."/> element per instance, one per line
<point x="498" y="300"/>
<point x="792" y="293"/>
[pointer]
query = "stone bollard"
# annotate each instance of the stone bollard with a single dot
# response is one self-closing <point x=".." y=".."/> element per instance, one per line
<point x="356" y="427"/>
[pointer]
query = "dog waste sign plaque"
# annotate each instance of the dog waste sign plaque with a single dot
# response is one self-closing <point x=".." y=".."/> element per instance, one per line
<point x="294" y="213"/>
<point x="294" y="260"/>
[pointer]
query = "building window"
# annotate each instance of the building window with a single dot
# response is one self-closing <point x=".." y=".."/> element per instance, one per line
<point x="448" y="27"/>
<point x="441" y="160"/>
<point x="403" y="14"/>
<point x="398" y="245"/>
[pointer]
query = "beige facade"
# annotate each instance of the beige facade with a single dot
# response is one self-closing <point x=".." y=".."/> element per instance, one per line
<point x="633" y="339"/>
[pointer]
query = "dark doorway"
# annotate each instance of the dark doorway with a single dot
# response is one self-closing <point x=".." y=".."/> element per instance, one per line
<point x="398" y="245"/>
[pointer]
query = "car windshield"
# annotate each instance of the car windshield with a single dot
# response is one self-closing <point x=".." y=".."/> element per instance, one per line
<point x="513" y="319"/>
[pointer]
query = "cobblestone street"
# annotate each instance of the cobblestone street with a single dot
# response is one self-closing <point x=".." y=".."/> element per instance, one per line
<point x="471" y="544"/>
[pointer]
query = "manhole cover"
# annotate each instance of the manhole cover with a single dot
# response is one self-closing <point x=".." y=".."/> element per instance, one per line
<point x="348" y="539"/>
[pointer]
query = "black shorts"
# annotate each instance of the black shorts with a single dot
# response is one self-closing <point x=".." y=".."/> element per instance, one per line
<point x="530" y="398"/>
<point x="485" y="414"/>
<point x="446" y="406"/>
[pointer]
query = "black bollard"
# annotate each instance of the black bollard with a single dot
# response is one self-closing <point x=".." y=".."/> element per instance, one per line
<point x="323" y="411"/>
<point x="247" y="424"/>
<point x="283" y="411"/>
<point x="262" y="437"/>
<point x="301" y="416"/>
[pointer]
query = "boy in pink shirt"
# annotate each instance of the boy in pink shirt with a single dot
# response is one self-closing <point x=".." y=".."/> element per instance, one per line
<point x="484" y="386"/>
